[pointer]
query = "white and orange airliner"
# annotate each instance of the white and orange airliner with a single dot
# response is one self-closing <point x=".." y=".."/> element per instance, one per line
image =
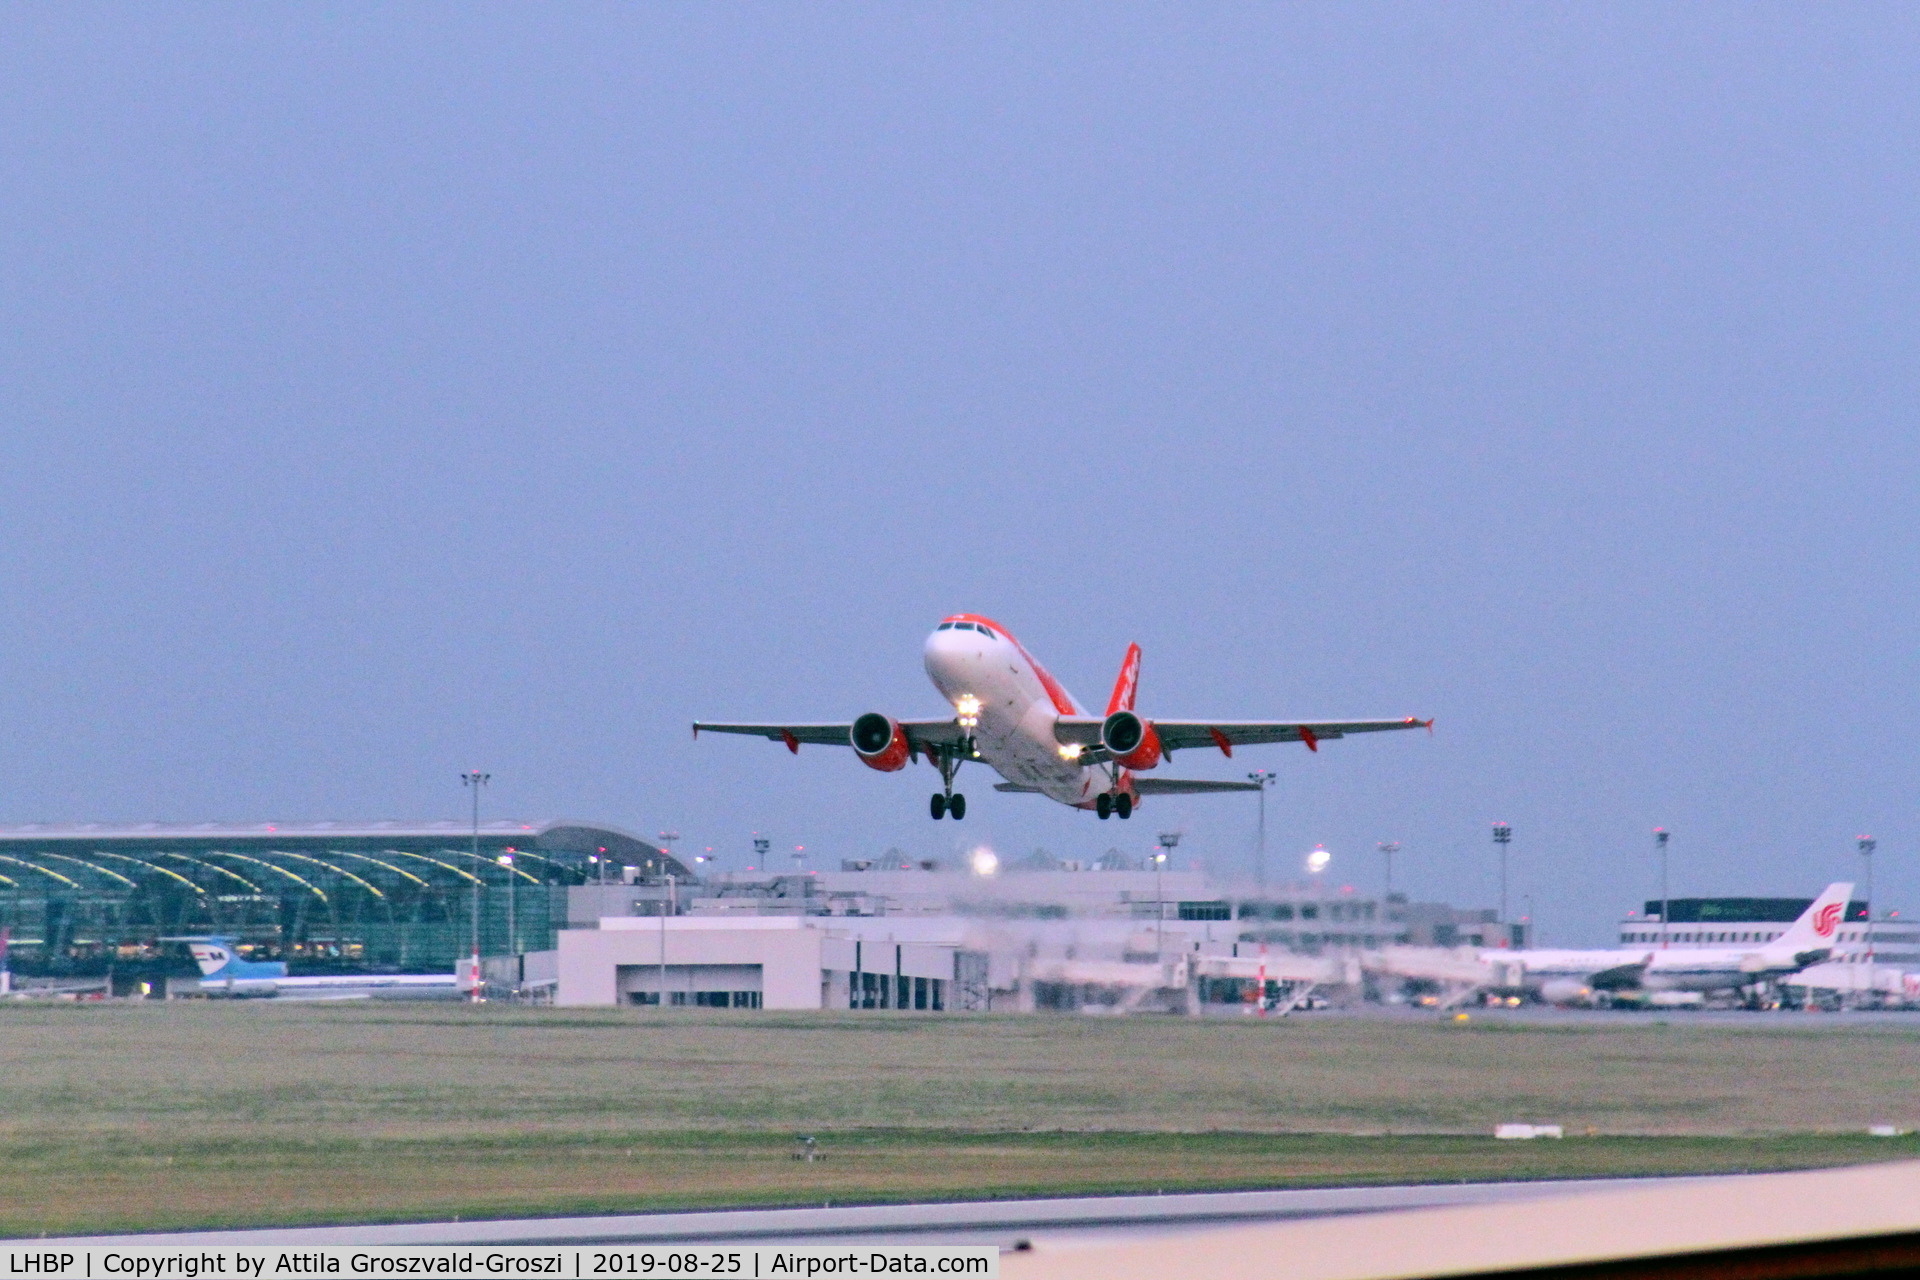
<point x="1010" y="713"/>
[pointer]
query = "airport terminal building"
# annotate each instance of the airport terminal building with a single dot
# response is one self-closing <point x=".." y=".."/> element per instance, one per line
<point x="91" y="900"/>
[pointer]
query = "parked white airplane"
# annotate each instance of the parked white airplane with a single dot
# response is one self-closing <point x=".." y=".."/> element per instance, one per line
<point x="1560" y="976"/>
<point x="1012" y="714"/>
<point x="222" y="972"/>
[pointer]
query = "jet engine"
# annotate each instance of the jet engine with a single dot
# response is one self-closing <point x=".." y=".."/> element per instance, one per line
<point x="880" y="742"/>
<point x="1566" y="991"/>
<point x="1130" y="740"/>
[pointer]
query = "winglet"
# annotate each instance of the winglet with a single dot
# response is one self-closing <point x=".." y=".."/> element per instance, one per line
<point x="696" y="731"/>
<point x="1306" y="736"/>
<point x="793" y="743"/>
<point x="1220" y="741"/>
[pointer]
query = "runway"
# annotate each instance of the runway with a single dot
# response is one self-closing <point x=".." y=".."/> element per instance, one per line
<point x="1006" y="1223"/>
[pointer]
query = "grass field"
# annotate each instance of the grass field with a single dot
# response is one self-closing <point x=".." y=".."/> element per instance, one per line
<point x="147" y="1115"/>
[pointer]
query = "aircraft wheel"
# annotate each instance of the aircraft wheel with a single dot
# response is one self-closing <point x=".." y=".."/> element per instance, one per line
<point x="938" y="807"/>
<point x="957" y="806"/>
<point x="1123" y="805"/>
<point x="1103" y="805"/>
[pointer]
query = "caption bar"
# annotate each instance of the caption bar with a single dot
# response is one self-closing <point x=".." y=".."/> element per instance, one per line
<point x="579" y="1262"/>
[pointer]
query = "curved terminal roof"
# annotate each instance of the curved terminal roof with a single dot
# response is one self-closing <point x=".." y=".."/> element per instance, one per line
<point x="369" y="855"/>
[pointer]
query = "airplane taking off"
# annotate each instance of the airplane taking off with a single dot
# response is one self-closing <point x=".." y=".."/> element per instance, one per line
<point x="222" y="970"/>
<point x="1010" y="713"/>
<point x="1561" y="976"/>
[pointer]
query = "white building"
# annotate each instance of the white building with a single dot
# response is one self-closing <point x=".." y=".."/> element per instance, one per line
<point x="765" y="962"/>
<point x="1724" y="922"/>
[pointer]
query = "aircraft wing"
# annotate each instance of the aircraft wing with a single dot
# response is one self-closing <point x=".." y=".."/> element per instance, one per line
<point x="1181" y="735"/>
<point x="921" y="734"/>
<point x="1622" y="977"/>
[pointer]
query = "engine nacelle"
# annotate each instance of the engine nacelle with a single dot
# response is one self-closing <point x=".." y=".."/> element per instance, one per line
<point x="880" y="742"/>
<point x="1566" y="991"/>
<point x="1130" y="740"/>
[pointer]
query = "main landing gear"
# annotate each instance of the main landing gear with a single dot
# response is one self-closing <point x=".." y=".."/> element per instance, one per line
<point x="1108" y="803"/>
<point x="946" y="801"/>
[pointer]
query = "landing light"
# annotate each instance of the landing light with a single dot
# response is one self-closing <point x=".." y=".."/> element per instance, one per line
<point x="1071" y="751"/>
<point x="969" y="708"/>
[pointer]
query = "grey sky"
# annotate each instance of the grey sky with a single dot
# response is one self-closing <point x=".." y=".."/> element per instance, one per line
<point x="392" y="390"/>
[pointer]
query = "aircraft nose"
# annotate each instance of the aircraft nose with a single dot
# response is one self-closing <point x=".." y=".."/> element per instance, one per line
<point x="940" y="650"/>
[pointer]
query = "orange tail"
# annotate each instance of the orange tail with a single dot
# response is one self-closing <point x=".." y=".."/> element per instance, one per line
<point x="1128" y="685"/>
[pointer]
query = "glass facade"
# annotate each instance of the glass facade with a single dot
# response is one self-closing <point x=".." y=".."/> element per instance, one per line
<point x="333" y="898"/>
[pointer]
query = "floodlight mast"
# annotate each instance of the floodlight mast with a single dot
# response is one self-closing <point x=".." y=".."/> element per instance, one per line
<point x="476" y="780"/>
<point x="513" y="919"/>
<point x="1169" y="840"/>
<point x="1866" y="845"/>
<point x="1261" y="778"/>
<point x="1387" y="849"/>
<point x="1660" y="837"/>
<point x="1502" y="837"/>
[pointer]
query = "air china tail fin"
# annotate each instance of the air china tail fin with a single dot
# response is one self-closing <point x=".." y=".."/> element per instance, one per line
<point x="1128" y="685"/>
<point x="1819" y="923"/>
<point x="217" y="959"/>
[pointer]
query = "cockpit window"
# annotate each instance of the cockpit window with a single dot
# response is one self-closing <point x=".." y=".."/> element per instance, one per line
<point x="963" y="626"/>
<point x="945" y="626"/>
<point x="983" y="631"/>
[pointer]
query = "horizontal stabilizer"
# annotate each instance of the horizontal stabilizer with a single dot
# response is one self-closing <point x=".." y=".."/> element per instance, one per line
<point x="1152" y="787"/>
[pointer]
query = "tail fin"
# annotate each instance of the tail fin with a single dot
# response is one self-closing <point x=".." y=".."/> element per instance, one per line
<point x="217" y="959"/>
<point x="1820" y="922"/>
<point x="1128" y="685"/>
<point x="213" y="955"/>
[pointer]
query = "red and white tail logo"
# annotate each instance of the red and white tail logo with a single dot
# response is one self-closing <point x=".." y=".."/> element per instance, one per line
<point x="1821" y="920"/>
<point x="1128" y="684"/>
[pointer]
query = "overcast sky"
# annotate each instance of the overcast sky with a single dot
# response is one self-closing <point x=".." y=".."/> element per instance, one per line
<point x="393" y="390"/>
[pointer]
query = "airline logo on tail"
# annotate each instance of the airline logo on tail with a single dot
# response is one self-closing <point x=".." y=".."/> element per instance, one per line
<point x="212" y="956"/>
<point x="216" y="959"/>
<point x="1817" y="925"/>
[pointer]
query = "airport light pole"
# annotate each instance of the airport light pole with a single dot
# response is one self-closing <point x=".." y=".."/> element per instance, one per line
<point x="1660" y="837"/>
<point x="476" y="780"/>
<point x="1169" y="840"/>
<point x="1502" y="837"/>
<point x="665" y="906"/>
<point x="1387" y="849"/>
<point x="1866" y="845"/>
<point x="513" y="920"/>
<point x="667" y="838"/>
<point x="1261" y="778"/>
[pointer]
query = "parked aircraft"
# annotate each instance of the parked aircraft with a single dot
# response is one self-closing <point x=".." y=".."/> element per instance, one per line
<point x="1011" y="714"/>
<point x="1562" y="976"/>
<point x="223" y="972"/>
